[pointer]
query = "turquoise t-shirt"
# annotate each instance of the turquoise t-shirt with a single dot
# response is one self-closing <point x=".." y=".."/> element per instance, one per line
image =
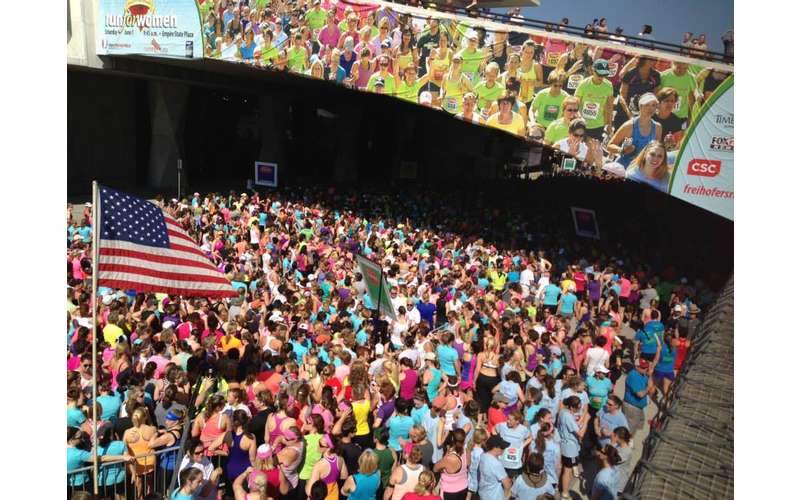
<point x="110" y="405"/>
<point x="598" y="391"/>
<point x="568" y="303"/>
<point x="75" y="460"/>
<point x="75" y="417"/>
<point x="399" y="427"/>
<point x="551" y="293"/>
<point x="111" y="474"/>
<point x="447" y="359"/>
<point x="433" y="385"/>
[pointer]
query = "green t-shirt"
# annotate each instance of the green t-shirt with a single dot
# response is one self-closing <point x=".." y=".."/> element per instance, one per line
<point x="472" y="61"/>
<point x="316" y="19"/>
<point x="388" y="83"/>
<point x="268" y="55"/>
<point x="487" y="95"/>
<point x="297" y="59"/>
<point x="684" y="85"/>
<point x="408" y="92"/>
<point x="593" y="100"/>
<point x="548" y="108"/>
<point x="556" y="131"/>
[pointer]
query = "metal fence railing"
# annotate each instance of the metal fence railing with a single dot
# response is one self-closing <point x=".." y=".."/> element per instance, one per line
<point x="118" y="480"/>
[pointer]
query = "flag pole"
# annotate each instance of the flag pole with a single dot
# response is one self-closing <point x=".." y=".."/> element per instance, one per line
<point x="95" y="258"/>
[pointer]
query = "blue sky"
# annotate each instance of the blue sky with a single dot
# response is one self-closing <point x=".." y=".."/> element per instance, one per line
<point x="669" y="18"/>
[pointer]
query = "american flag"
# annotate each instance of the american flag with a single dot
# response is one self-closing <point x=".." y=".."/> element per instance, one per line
<point x="143" y="248"/>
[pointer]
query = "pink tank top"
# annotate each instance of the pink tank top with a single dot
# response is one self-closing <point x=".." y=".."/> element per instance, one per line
<point x="211" y="431"/>
<point x="408" y="384"/>
<point x="453" y="483"/>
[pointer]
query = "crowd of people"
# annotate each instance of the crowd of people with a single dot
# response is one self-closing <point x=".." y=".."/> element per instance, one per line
<point x="606" y="106"/>
<point x="493" y="377"/>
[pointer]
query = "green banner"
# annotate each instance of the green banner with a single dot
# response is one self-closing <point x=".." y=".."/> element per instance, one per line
<point x="377" y="287"/>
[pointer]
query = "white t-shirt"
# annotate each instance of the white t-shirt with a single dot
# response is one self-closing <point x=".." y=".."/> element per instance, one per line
<point x="563" y="145"/>
<point x="595" y="357"/>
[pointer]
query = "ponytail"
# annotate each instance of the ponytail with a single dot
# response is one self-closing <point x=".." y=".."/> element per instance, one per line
<point x="541" y="440"/>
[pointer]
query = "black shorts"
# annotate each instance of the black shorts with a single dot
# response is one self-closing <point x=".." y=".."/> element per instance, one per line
<point x="595" y="133"/>
<point x="648" y="357"/>
<point x="569" y="461"/>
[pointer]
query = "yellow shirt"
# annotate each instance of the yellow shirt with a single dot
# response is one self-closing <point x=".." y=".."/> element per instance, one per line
<point x="233" y="343"/>
<point x="361" y="412"/>
<point x="514" y="127"/>
<point x="112" y="333"/>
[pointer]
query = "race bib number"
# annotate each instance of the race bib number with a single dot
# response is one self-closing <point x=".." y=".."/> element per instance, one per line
<point x="512" y="455"/>
<point x="551" y="112"/>
<point x="677" y="104"/>
<point x="552" y="58"/>
<point x="574" y="81"/>
<point x="590" y="111"/>
<point x="451" y="104"/>
<point x="612" y="69"/>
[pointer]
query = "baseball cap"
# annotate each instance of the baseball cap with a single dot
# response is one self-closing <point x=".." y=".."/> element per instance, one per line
<point x="264" y="451"/>
<point x="429" y="356"/>
<point x="497" y="442"/>
<point x="303" y="326"/>
<point x="379" y="349"/>
<point x="555" y="350"/>
<point x="647" y="98"/>
<point x="601" y="369"/>
<point x="601" y="67"/>
<point x="439" y="402"/>
<point x="425" y="98"/>
<point x="379" y="82"/>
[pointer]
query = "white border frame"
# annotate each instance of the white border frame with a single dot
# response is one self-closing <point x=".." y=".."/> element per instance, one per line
<point x="265" y="183"/>
<point x="596" y="234"/>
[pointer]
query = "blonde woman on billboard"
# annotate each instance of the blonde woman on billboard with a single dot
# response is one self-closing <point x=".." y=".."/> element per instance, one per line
<point x="650" y="167"/>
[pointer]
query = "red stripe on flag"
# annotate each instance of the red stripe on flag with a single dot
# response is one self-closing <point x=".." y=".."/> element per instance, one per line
<point x="155" y="273"/>
<point x="182" y="236"/>
<point x="182" y="248"/>
<point x="160" y="259"/>
<point x="146" y="287"/>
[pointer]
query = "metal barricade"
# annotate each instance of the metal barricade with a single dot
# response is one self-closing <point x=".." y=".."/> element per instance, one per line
<point x="117" y="480"/>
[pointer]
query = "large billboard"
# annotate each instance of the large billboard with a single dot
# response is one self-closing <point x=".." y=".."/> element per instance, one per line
<point x="163" y="28"/>
<point x="619" y="110"/>
<point x="703" y="173"/>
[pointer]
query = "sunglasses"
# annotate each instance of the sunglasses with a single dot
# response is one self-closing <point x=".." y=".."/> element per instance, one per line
<point x="578" y="135"/>
<point x="197" y="452"/>
<point x="572" y="110"/>
<point x="556" y="85"/>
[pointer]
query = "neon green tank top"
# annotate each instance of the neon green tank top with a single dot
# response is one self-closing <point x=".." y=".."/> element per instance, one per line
<point x="313" y="454"/>
<point x="528" y="75"/>
<point x="454" y="96"/>
<point x="439" y="67"/>
<point x="403" y="60"/>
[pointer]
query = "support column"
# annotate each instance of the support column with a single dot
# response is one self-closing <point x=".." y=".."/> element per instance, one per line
<point x="168" y="103"/>
<point x="273" y="120"/>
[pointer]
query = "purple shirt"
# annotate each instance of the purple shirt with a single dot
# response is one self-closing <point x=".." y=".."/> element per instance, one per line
<point x="594" y="290"/>
<point x="385" y="411"/>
